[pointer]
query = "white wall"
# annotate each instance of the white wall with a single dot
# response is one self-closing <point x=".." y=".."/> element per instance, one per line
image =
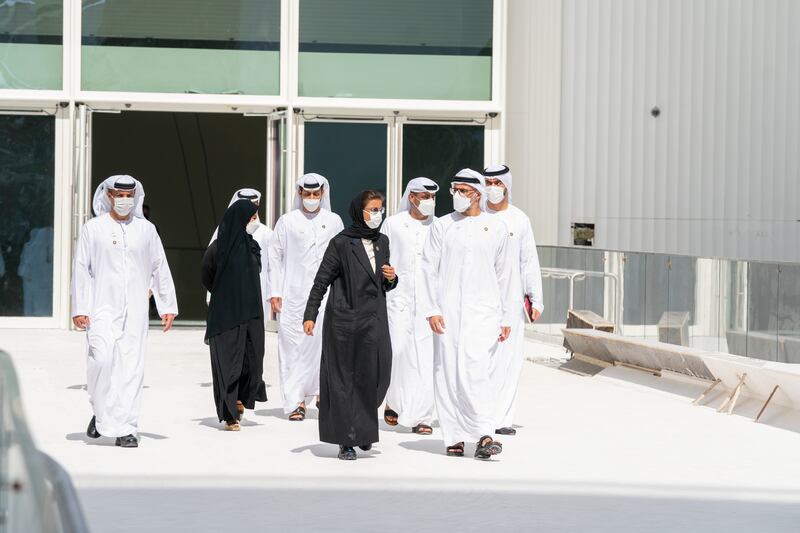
<point x="715" y="175"/>
<point x="532" y="117"/>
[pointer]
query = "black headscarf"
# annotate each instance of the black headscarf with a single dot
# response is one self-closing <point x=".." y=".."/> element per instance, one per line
<point x="359" y="229"/>
<point x="236" y="290"/>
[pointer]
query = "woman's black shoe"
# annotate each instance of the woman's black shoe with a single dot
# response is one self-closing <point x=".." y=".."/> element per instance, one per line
<point x="366" y="447"/>
<point x="347" y="453"/>
<point x="128" y="441"/>
<point x="91" y="431"/>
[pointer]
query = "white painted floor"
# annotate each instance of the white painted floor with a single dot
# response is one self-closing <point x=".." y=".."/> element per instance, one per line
<point x="620" y="452"/>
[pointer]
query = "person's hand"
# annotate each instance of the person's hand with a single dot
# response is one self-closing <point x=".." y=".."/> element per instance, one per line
<point x="81" y="321"/>
<point x="388" y="272"/>
<point x="308" y="327"/>
<point x="535" y="314"/>
<point x="277" y="304"/>
<point x="437" y="324"/>
<point x="505" y="331"/>
<point x="167" y="320"/>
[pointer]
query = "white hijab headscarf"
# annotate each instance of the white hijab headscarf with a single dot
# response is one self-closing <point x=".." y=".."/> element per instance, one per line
<point x="501" y="172"/>
<point x="101" y="204"/>
<point x="473" y="179"/>
<point x="417" y="185"/>
<point x="315" y="181"/>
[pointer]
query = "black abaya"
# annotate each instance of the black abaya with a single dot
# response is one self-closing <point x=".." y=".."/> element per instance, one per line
<point x="235" y="331"/>
<point x="237" y="358"/>
<point x="356" y="350"/>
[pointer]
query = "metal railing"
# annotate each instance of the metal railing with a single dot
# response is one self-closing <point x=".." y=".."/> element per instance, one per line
<point x="572" y="275"/>
<point x="36" y="493"/>
<point x="743" y="307"/>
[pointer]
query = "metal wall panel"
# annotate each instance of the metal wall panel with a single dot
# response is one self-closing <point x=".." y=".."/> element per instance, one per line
<point x="716" y="173"/>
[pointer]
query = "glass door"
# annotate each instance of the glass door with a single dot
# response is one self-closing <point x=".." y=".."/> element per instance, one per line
<point x="439" y="150"/>
<point x="28" y="232"/>
<point x="353" y="155"/>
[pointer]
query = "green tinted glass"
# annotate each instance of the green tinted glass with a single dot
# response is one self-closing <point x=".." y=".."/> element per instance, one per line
<point x="31" y="44"/>
<point x="183" y="46"/>
<point x="351" y="156"/>
<point x="413" y="49"/>
<point x="438" y="152"/>
<point x="27" y="185"/>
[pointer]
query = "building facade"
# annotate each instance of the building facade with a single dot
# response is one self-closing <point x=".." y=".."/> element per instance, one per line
<point x="658" y="126"/>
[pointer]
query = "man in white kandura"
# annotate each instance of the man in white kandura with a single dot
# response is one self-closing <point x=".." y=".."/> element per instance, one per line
<point x="118" y="260"/>
<point x="467" y="289"/>
<point x="261" y="234"/>
<point x="409" y="400"/>
<point x="526" y="280"/>
<point x="295" y="253"/>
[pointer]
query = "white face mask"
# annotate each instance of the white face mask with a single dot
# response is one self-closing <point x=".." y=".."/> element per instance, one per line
<point x="460" y="202"/>
<point x="123" y="206"/>
<point x="427" y="207"/>
<point x="374" y="221"/>
<point x="251" y="227"/>
<point x="311" y="204"/>
<point x="495" y="194"/>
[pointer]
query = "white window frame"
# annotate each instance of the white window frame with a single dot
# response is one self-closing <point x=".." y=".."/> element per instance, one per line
<point x="393" y="111"/>
<point x="62" y="203"/>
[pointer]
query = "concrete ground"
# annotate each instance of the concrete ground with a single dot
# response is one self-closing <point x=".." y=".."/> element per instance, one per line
<point x="620" y="452"/>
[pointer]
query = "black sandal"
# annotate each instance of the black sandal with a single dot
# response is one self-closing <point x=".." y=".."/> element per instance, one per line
<point x="387" y="414"/>
<point x="422" y="429"/>
<point x="487" y="447"/>
<point x="298" y="415"/>
<point x="456" y="450"/>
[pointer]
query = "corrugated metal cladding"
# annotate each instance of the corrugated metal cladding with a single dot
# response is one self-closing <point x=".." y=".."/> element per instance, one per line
<point x="717" y="173"/>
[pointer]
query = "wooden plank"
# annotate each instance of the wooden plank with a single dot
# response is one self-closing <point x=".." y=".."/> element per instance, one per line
<point x="769" y="399"/>
<point x="705" y="392"/>
<point x="637" y="367"/>
<point x="734" y="396"/>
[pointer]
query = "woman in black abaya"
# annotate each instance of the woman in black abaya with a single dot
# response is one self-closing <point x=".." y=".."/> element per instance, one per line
<point x="356" y="351"/>
<point x="235" y="328"/>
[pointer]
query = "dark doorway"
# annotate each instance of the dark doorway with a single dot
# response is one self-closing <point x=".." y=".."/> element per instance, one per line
<point x="189" y="164"/>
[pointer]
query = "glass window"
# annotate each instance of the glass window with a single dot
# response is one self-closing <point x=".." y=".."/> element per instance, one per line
<point x="414" y="49"/>
<point x="183" y="46"/>
<point x="27" y="170"/>
<point x="351" y="156"/>
<point x="438" y="152"/>
<point x="30" y="44"/>
<point x="656" y="284"/>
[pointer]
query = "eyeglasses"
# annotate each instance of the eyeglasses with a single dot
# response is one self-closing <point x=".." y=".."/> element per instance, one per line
<point x="463" y="192"/>
<point x="375" y="210"/>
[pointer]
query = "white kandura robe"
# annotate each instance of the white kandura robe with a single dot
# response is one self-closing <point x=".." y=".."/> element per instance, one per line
<point x="526" y="278"/>
<point x="295" y="253"/>
<point x="263" y="236"/>
<point x="115" y="263"/>
<point x="411" y="389"/>
<point x="467" y="281"/>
